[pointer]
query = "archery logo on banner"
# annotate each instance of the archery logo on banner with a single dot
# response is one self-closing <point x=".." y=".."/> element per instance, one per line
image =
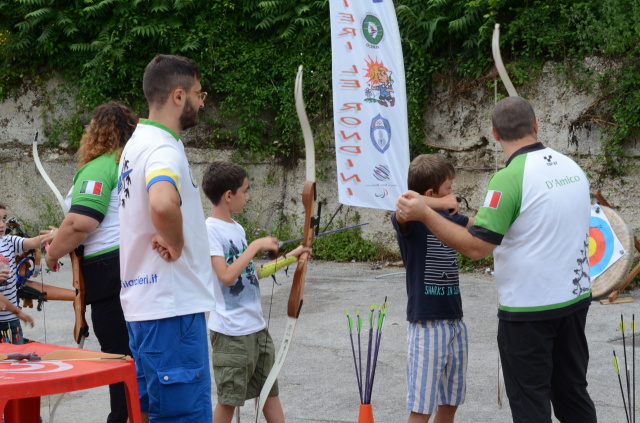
<point x="369" y="103"/>
<point x="604" y="246"/>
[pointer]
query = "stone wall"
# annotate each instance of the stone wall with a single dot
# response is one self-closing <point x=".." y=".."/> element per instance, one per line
<point x="458" y="123"/>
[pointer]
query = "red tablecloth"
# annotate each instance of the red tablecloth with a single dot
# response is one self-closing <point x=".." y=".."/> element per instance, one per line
<point x="23" y="383"/>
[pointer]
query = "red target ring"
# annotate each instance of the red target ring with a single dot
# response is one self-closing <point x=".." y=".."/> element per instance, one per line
<point x="597" y="246"/>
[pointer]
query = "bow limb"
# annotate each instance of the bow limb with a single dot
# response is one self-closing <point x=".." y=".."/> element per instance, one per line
<point x="46" y="178"/>
<point x="497" y="58"/>
<point x="310" y="223"/>
<point x="80" y="328"/>
<point x="308" y="202"/>
<point x="309" y="143"/>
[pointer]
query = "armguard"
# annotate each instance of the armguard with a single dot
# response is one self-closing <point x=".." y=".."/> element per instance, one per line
<point x="273" y="267"/>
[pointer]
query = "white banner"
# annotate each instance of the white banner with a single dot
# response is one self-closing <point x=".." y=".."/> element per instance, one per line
<point x="369" y="103"/>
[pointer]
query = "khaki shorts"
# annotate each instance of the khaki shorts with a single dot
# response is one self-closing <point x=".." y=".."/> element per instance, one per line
<point x="241" y="365"/>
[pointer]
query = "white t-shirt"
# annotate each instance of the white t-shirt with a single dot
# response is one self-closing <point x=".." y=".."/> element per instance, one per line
<point x="95" y="194"/>
<point x="151" y="287"/>
<point x="238" y="310"/>
<point x="538" y="211"/>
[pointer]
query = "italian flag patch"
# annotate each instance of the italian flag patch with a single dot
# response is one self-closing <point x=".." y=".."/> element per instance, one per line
<point x="492" y="199"/>
<point x="91" y="187"/>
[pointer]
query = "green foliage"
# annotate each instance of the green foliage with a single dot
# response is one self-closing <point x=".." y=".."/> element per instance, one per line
<point x="249" y="52"/>
<point x="347" y="245"/>
<point x="50" y="216"/>
<point x="466" y="265"/>
<point x="439" y="35"/>
<point x="569" y="29"/>
<point x="282" y="229"/>
<point x="622" y="90"/>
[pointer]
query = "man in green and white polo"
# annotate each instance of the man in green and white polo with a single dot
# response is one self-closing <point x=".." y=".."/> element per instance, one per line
<point x="535" y="220"/>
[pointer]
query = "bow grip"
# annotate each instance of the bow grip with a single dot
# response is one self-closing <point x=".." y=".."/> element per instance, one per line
<point x="81" y="328"/>
<point x="299" y="277"/>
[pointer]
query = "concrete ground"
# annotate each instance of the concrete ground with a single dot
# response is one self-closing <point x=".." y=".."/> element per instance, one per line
<point x="317" y="382"/>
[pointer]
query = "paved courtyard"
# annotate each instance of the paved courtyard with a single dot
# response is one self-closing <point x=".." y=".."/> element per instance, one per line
<point x="318" y="383"/>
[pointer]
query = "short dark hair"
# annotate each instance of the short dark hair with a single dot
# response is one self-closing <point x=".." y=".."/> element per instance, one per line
<point x="2" y="207"/>
<point x="164" y="74"/>
<point x="513" y="118"/>
<point x="428" y="171"/>
<point x="220" y="177"/>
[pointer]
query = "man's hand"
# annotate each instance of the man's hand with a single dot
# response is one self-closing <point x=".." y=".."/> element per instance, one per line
<point x="166" y="252"/>
<point x="165" y="213"/>
<point x="410" y="206"/>
<point x="52" y="263"/>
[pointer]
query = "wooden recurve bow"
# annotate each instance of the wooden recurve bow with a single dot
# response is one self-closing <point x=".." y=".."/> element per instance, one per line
<point x="81" y="328"/>
<point x="502" y="71"/>
<point x="310" y="224"/>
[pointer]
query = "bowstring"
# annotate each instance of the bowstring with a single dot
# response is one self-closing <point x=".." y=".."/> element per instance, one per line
<point x="44" y="319"/>
<point x="495" y="149"/>
<point x="44" y="308"/>
<point x="495" y="160"/>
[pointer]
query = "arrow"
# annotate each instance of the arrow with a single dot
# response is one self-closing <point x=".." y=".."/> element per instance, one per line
<point x="281" y="243"/>
<point x="353" y="351"/>
<point x="615" y="366"/>
<point x="63" y="355"/>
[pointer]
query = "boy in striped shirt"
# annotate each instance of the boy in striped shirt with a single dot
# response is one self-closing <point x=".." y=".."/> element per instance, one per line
<point x="436" y="335"/>
<point x="10" y="311"/>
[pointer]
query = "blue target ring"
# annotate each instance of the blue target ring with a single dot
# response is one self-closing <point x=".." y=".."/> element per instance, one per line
<point x="604" y="247"/>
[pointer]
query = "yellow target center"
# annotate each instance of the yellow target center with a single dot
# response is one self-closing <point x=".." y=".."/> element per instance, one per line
<point x="592" y="246"/>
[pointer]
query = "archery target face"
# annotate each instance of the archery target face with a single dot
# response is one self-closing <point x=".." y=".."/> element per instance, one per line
<point x="601" y="245"/>
<point x="604" y="246"/>
<point x="609" y="240"/>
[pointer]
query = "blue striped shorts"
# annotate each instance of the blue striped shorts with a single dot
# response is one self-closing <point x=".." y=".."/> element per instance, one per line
<point x="437" y="356"/>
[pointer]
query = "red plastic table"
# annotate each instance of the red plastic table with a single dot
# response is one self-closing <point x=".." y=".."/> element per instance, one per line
<point x="23" y="383"/>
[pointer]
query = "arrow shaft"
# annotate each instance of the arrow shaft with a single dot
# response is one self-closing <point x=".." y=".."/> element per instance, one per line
<point x="281" y="243"/>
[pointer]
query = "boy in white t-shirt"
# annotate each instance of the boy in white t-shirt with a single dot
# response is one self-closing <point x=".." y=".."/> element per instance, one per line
<point x="242" y="349"/>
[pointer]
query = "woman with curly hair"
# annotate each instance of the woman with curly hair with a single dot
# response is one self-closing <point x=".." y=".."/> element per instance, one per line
<point x="92" y="227"/>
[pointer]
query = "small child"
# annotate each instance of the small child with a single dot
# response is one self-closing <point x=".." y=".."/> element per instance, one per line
<point x="10" y="312"/>
<point x="242" y="349"/>
<point x="436" y="335"/>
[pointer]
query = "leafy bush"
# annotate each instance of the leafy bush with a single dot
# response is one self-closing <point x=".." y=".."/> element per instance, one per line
<point x="466" y="265"/>
<point x="341" y="246"/>
<point x="249" y="52"/>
